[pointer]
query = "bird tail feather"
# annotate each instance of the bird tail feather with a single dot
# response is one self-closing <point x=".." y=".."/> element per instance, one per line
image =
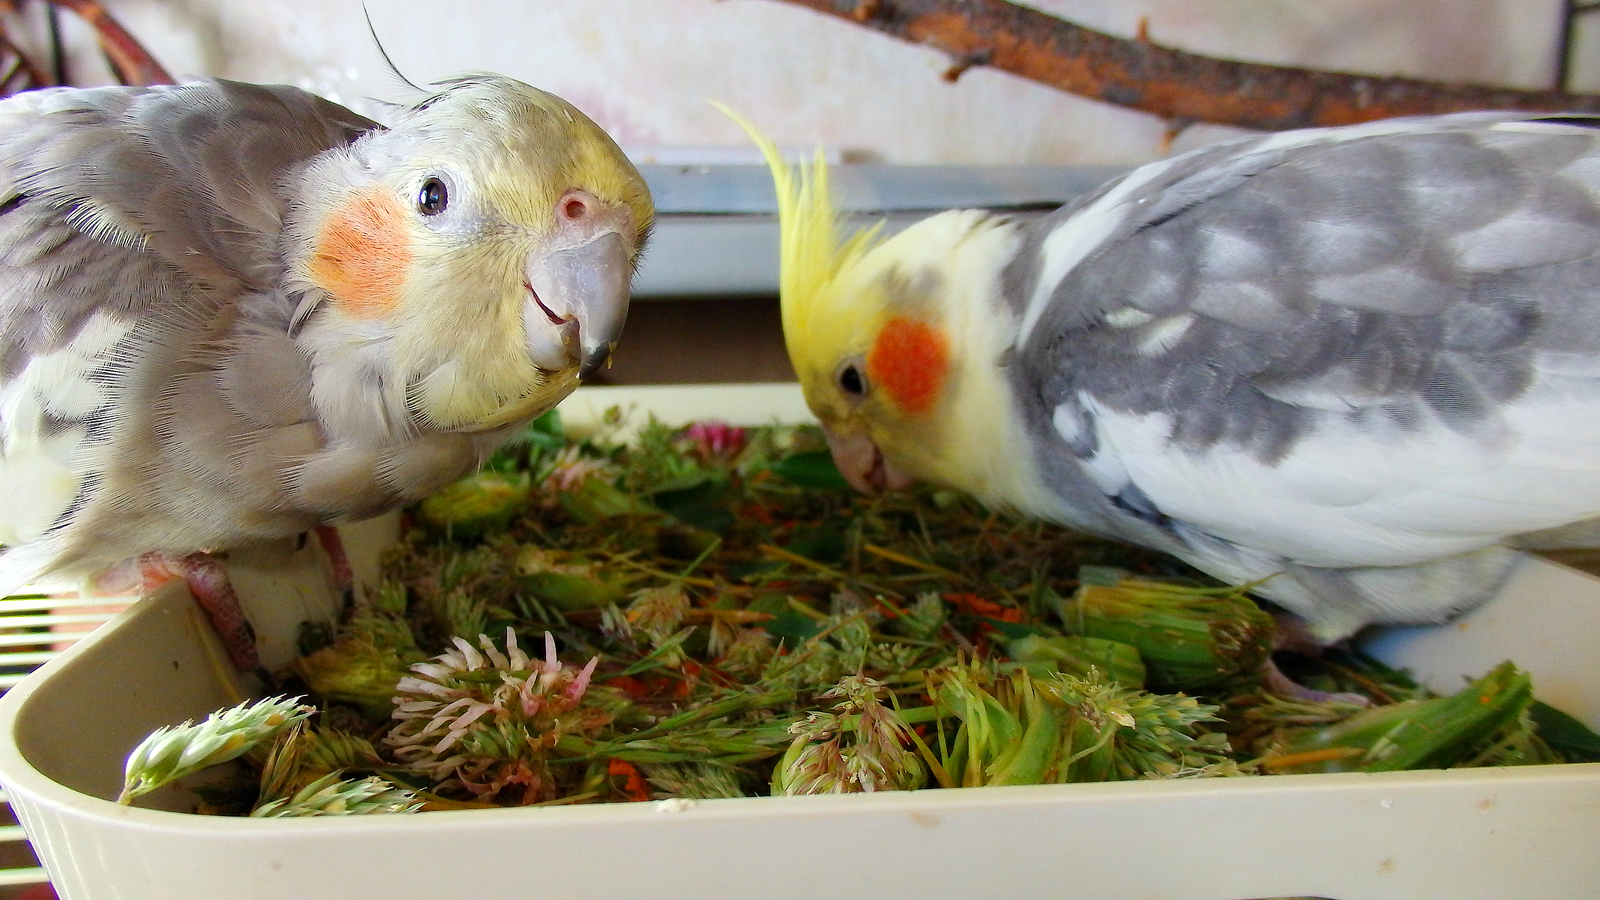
<point x="21" y="566"/>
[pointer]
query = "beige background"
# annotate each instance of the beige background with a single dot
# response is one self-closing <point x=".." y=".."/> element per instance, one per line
<point x="644" y="68"/>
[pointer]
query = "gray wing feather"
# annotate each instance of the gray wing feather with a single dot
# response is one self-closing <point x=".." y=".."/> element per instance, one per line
<point x="115" y="198"/>
<point x="1425" y="267"/>
<point x="161" y="209"/>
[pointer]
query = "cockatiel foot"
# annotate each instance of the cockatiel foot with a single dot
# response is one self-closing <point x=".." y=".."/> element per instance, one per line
<point x="208" y="581"/>
<point x="1273" y="679"/>
<point x="1294" y="635"/>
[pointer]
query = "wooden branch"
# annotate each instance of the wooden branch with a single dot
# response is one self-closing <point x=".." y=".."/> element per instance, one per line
<point x="1180" y="86"/>
<point x="17" y="71"/>
<point x="129" y="60"/>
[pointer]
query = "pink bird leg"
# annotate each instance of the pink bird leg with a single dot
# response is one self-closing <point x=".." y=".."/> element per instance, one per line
<point x="208" y="581"/>
<point x="333" y="545"/>
<point x="207" y="578"/>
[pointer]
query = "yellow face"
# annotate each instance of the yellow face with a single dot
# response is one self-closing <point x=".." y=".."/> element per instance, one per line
<point x="493" y="246"/>
<point x="903" y="356"/>
<point x="898" y="344"/>
<point x="875" y="360"/>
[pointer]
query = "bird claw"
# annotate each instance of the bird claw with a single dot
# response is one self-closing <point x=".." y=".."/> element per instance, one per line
<point x="1273" y="679"/>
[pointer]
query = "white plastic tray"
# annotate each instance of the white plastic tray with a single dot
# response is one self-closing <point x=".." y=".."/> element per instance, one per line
<point x="1528" y="833"/>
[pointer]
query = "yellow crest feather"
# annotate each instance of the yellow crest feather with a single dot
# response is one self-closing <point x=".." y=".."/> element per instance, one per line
<point x="812" y="251"/>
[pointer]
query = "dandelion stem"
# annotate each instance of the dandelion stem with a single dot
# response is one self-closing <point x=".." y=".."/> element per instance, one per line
<point x="797" y="559"/>
<point x="668" y="576"/>
<point x="1310" y="757"/>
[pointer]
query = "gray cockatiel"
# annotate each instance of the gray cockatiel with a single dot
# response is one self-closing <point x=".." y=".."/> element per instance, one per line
<point x="230" y="312"/>
<point x="1352" y="361"/>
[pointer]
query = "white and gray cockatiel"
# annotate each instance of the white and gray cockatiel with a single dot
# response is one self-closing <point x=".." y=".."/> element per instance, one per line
<point x="231" y="312"/>
<point x="1354" y="361"/>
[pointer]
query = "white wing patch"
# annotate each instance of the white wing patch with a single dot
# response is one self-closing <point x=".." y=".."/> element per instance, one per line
<point x="1371" y="494"/>
<point x="40" y="467"/>
<point x="40" y="486"/>
<point x="1164" y="335"/>
<point x="1305" y="137"/>
<point x="1073" y="240"/>
<point x="1105" y="469"/>
<point x="1128" y="317"/>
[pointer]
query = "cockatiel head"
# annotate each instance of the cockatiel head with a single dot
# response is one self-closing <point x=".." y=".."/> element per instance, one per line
<point x="893" y="339"/>
<point x="475" y="257"/>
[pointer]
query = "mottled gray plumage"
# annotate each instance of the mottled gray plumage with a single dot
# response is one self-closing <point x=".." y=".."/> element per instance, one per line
<point x="173" y="376"/>
<point x="1403" y="283"/>
<point x="159" y="209"/>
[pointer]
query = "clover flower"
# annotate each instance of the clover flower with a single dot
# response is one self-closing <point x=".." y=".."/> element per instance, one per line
<point x="748" y="652"/>
<point x="567" y="472"/>
<point x="488" y="721"/>
<point x="658" y="611"/>
<point x="715" y="440"/>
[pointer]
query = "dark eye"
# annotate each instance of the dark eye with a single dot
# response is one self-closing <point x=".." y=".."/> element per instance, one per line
<point x="850" y="381"/>
<point x="433" y="197"/>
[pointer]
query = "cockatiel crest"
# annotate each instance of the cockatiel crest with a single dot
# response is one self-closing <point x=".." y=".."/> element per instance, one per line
<point x="813" y="253"/>
<point x="1356" y="365"/>
<point x="232" y="312"/>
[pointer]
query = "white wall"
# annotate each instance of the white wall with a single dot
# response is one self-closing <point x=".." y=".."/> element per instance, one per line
<point x="642" y="67"/>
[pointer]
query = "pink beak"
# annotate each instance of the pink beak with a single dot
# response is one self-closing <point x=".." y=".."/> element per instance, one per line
<point x="863" y="465"/>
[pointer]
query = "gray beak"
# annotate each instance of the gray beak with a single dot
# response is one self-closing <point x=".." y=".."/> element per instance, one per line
<point x="578" y="302"/>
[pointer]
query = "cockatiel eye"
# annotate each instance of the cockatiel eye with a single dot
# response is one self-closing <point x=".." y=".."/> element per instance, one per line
<point x="433" y="197"/>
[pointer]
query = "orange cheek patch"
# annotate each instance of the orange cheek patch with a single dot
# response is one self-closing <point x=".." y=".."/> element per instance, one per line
<point x="910" y="360"/>
<point x="363" y="254"/>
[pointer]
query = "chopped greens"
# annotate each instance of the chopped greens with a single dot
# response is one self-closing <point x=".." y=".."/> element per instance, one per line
<point x="719" y="615"/>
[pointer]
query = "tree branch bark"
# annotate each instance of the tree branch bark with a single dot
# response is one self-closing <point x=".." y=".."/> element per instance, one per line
<point x="132" y="63"/>
<point x="1177" y="85"/>
<point x="17" y="71"/>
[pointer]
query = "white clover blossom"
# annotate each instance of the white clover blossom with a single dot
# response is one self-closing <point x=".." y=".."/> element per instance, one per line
<point x="658" y="611"/>
<point x="567" y="473"/>
<point x="860" y="747"/>
<point x="486" y="719"/>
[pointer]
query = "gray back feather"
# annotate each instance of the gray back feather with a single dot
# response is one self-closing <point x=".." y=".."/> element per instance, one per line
<point x="186" y="175"/>
<point x="1249" y="285"/>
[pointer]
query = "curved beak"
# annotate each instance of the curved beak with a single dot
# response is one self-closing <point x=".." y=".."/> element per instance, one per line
<point x="862" y="464"/>
<point x="577" y="303"/>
